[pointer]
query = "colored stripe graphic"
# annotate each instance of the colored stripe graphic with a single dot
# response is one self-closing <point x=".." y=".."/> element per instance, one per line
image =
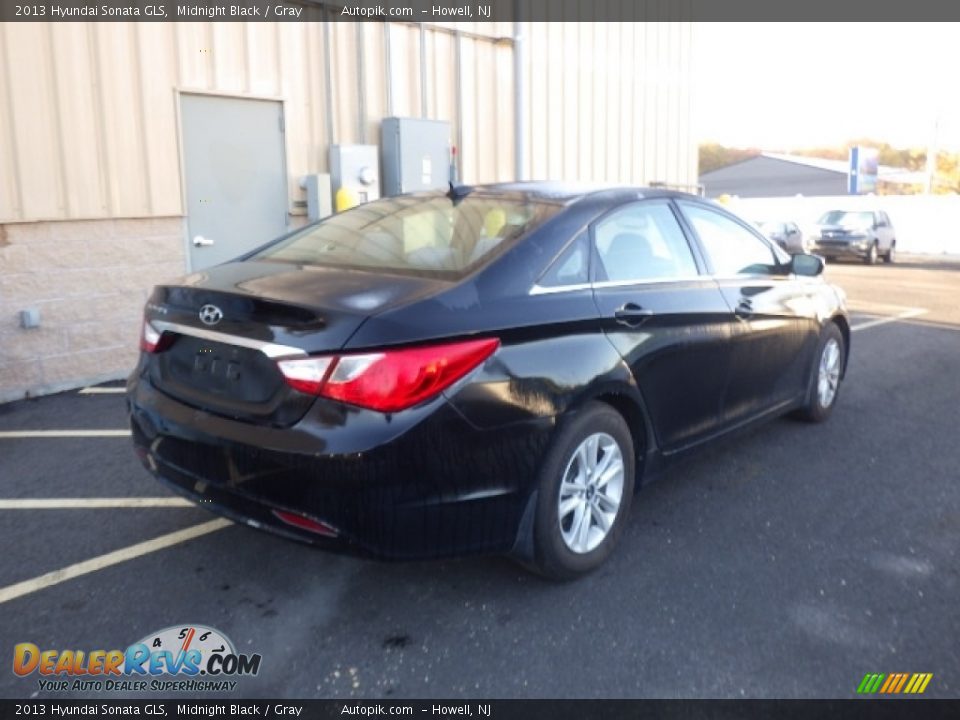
<point x="894" y="683"/>
<point x="870" y="683"/>
<point x="914" y="682"/>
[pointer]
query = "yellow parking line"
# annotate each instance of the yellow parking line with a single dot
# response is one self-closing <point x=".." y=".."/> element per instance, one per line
<point x="14" y="434"/>
<point x="70" y="572"/>
<point x="84" y="503"/>
<point x="102" y="391"/>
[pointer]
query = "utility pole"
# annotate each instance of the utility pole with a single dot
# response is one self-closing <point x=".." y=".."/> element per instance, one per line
<point x="932" y="155"/>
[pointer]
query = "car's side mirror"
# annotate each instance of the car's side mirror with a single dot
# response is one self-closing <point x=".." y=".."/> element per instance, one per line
<point x="807" y="265"/>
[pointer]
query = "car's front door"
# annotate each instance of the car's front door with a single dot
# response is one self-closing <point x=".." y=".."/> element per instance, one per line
<point x="775" y="331"/>
<point x="666" y="318"/>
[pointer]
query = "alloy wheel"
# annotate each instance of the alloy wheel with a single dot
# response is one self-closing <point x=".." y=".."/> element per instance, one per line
<point x="591" y="491"/>
<point x="828" y="377"/>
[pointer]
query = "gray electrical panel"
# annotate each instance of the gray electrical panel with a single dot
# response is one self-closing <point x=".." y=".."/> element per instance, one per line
<point x="319" y="198"/>
<point x="355" y="167"/>
<point x="416" y="155"/>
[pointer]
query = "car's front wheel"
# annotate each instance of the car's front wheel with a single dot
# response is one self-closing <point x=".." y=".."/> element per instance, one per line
<point x="586" y="486"/>
<point x="824" y="383"/>
<point x="871" y="256"/>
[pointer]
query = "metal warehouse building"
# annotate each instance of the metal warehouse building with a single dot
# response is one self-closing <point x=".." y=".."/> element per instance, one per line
<point x="120" y="143"/>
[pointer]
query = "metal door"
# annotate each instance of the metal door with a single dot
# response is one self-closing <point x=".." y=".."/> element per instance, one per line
<point x="234" y="174"/>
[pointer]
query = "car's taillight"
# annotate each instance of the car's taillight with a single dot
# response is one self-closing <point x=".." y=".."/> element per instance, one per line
<point x="151" y="339"/>
<point x="390" y="380"/>
<point x="306" y="375"/>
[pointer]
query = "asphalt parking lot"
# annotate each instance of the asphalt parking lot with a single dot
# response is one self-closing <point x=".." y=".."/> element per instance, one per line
<point x="786" y="562"/>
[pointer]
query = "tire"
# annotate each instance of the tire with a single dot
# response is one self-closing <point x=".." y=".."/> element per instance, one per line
<point x="820" y="403"/>
<point x="891" y="255"/>
<point x="871" y="257"/>
<point x="563" y="549"/>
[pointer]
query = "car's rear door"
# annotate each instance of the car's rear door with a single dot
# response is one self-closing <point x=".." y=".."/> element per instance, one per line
<point x="665" y="317"/>
<point x="884" y="230"/>
<point x="776" y="329"/>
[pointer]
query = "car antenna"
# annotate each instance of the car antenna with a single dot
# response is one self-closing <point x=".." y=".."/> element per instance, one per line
<point x="456" y="194"/>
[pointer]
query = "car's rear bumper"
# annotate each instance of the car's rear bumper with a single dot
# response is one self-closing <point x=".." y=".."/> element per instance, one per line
<point x="421" y="486"/>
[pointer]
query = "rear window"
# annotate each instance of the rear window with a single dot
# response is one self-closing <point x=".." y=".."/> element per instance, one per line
<point x="431" y="236"/>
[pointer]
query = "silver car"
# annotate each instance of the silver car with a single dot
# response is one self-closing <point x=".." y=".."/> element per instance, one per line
<point x="864" y="234"/>
<point x="785" y="234"/>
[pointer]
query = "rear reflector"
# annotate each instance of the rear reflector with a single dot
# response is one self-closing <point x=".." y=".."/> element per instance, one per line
<point x="390" y="380"/>
<point x="305" y="523"/>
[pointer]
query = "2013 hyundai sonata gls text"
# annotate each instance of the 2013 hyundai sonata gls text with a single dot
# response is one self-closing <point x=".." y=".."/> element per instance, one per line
<point x="486" y="370"/>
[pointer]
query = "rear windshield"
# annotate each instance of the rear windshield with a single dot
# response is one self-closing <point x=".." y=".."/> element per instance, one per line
<point x="429" y="236"/>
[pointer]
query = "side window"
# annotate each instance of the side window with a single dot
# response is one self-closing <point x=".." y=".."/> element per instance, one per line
<point x="733" y="249"/>
<point x="571" y="267"/>
<point x="643" y="242"/>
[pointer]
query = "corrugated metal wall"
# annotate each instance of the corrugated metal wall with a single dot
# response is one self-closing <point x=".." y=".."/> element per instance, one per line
<point x="610" y="102"/>
<point x="88" y="112"/>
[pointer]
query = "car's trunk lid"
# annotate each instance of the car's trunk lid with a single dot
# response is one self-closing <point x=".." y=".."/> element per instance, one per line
<point x="226" y="327"/>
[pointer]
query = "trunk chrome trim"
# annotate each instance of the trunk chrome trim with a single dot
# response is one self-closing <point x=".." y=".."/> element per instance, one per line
<point x="271" y="350"/>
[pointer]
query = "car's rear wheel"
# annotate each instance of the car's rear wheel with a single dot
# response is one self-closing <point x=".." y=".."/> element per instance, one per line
<point x="585" y="491"/>
<point x="824" y="384"/>
<point x="891" y="254"/>
<point x="871" y="256"/>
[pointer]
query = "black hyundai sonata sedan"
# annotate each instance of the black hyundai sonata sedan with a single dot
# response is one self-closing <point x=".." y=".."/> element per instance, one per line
<point x="487" y="370"/>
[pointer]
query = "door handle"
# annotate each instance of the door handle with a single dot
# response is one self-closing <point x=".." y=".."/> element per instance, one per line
<point x="744" y="310"/>
<point x="632" y="315"/>
<point x="201" y="241"/>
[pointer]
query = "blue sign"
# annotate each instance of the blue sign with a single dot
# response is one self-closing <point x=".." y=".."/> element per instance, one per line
<point x="862" y="172"/>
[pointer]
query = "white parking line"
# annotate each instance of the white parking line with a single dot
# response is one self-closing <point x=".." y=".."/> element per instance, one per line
<point x="11" y="434"/>
<point x="913" y="312"/>
<point x="84" y="503"/>
<point x="70" y="572"/>
<point x="870" y="305"/>
<point x="102" y="391"/>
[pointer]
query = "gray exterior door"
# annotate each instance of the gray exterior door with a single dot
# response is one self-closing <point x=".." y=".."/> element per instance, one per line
<point x="235" y="176"/>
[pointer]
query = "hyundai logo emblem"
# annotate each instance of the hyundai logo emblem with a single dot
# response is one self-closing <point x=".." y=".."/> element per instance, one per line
<point x="210" y="314"/>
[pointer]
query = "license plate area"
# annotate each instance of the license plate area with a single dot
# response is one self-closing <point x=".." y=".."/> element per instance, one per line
<point x="224" y="372"/>
<point x="219" y="369"/>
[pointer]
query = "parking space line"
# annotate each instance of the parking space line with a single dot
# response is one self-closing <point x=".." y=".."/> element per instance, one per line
<point x="13" y="434"/>
<point x="913" y="312"/>
<point x="868" y="306"/>
<point x="102" y="391"/>
<point x="84" y="503"/>
<point x="11" y="592"/>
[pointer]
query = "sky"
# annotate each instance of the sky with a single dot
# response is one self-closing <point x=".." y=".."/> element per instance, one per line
<point x="787" y="86"/>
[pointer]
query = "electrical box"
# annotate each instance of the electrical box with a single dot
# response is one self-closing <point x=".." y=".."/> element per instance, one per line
<point x="317" y="190"/>
<point x="416" y="155"/>
<point x="356" y="168"/>
<point x="30" y="318"/>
